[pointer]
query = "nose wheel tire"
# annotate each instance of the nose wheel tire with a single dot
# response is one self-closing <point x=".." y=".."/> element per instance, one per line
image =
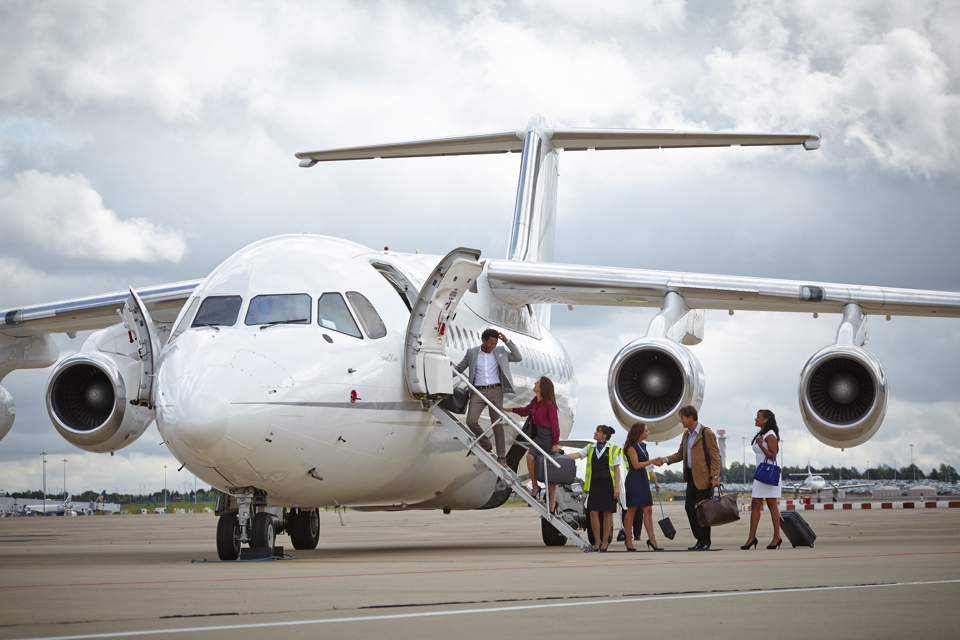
<point x="551" y="537"/>
<point x="228" y="537"/>
<point x="263" y="532"/>
<point x="304" y="529"/>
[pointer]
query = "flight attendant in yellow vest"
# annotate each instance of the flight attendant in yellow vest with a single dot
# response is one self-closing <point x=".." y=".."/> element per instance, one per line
<point x="603" y="482"/>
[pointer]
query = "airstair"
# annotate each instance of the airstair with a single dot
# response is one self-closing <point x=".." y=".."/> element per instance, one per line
<point x="507" y="476"/>
<point x="427" y="371"/>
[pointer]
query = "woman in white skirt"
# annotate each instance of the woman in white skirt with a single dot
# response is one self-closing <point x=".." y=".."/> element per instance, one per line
<point x="766" y="446"/>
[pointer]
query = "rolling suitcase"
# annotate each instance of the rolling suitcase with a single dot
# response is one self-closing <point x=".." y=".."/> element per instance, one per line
<point x="665" y="525"/>
<point x="798" y="531"/>
<point x="566" y="474"/>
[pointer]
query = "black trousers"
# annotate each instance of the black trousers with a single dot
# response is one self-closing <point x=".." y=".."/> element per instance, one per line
<point x="694" y="495"/>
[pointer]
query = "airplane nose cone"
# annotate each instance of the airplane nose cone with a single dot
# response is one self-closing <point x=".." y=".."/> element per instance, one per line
<point x="218" y="414"/>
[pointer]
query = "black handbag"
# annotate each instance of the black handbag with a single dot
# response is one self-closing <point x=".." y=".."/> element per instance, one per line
<point x="457" y="401"/>
<point x="530" y="428"/>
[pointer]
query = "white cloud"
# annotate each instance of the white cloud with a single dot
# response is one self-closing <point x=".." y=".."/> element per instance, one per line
<point x="64" y="216"/>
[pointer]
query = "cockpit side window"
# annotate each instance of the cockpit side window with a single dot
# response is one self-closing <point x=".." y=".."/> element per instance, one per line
<point x="369" y="318"/>
<point x="219" y="311"/>
<point x="185" y="320"/>
<point x="287" y="308"/>
<point x="332" y="313"/>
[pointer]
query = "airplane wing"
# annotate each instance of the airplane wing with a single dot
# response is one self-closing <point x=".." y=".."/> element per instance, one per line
<point x="93" y="312"/>
<point x="518" y="283"/>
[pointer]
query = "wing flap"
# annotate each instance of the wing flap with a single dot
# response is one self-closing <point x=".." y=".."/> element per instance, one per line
<point x="548" y="283"/>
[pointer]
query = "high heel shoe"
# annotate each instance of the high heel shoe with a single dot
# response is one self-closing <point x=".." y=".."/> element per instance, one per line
<point x="752" y="543"/>
<point x="775" y="546"/>
<point x="653" y="547"/>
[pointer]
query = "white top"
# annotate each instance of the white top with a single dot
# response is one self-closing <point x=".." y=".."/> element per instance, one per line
<point x="598" y="451"/>
<point x="690" y="439"/>
<point x="488" y="369"/>
<point x="757" y="450"/>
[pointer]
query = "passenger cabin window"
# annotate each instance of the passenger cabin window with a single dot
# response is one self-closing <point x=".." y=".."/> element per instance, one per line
<point x="185" y="320"/>
<point x="369" y="318"/>
<point x="286" y="308"/>
<point x="218" y="311"/>
<point x="333" y="314"/>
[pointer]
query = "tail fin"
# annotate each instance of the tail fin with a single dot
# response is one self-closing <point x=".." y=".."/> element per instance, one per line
<point x="102" y="498"/>
<point x="535" y="212"/>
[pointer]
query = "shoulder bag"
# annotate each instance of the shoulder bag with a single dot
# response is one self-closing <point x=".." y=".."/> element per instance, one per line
<point x="768" y="472"/>
<point x="718" y="509"/>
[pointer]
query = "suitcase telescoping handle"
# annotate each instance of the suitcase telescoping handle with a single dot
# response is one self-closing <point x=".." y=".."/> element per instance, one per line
<point x="661" y="505"/>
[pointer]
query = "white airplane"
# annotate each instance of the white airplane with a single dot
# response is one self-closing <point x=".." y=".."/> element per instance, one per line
<point x="58" y="509"/>
<point x="304" y="371"/>
<point x="815" y="484"/>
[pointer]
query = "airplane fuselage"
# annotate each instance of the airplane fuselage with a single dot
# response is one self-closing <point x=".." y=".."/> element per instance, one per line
<point x="317" y="413"/>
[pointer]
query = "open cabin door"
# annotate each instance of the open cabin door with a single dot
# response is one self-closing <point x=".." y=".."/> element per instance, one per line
<point x="426" y="365"/>
<point x="137" y="320"/>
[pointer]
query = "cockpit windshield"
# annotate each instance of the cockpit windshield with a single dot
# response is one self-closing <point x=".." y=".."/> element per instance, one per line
<point x="218" y="311"/>
<point x="288" y="308"/>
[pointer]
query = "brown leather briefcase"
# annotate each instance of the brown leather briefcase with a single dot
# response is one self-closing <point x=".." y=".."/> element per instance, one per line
<point x="718" y="510"/>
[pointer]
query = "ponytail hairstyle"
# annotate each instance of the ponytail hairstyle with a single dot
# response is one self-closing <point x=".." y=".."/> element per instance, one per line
<point x="770" y="426"/>
<point x="633" y="436"/>
<point x="546" y="391"/>
<point x="607" y="431"/>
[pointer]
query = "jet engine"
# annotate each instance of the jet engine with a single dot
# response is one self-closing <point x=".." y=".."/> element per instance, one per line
<point x="843" y="395"/>
<point x="89" y="394"/>
<point x="650" y="380"/>
<point x="7" y="412"/>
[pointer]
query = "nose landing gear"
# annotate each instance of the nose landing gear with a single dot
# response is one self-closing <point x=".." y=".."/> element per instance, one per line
<point x="246" y="518"/>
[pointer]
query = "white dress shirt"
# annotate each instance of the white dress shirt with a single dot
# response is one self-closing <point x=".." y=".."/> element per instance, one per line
<point x="488" y="369"/>
<point x="598" y="451"/>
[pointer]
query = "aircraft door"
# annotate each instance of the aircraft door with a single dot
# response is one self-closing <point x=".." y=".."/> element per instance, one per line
<point x="137" y="320"/>
<point x="426" y="366"/>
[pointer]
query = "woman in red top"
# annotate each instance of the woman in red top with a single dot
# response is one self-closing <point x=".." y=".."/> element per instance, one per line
<point x="543" y="410"/>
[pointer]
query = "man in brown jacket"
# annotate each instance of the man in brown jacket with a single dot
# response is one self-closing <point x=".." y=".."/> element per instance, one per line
<point x="700" y="472"/>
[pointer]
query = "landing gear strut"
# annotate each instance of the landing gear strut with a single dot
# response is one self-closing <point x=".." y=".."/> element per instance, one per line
<point x="246" y="518"/>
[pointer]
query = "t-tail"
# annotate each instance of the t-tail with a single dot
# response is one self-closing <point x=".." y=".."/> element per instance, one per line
<point x="535" y="210"/>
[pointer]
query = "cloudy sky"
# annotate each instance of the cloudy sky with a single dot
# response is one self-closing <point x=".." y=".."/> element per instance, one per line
<point x="143" y="143"/>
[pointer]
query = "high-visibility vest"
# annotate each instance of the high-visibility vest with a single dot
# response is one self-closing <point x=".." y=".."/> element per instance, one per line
<point x="612" y="453"/>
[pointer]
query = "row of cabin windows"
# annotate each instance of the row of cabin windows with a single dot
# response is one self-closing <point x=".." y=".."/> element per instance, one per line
<point x="333" y="313"/>
<point x="533" y="358"/>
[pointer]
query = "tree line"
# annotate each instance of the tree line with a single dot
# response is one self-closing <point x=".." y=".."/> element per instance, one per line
<point x="737" y="473"/>
<point x="202" y="495"/>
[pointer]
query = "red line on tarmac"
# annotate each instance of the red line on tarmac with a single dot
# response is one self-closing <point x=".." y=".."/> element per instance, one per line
<point x="416" y="573"/>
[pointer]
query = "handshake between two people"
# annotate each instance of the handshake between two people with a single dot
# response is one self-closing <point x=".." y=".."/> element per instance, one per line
<point x="659" y="461"/>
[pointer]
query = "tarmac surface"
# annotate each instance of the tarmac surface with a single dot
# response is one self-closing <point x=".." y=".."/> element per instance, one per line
<point x="480" y="574"/>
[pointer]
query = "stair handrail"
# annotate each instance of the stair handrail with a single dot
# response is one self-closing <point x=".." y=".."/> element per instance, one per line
<point x="504" y="416"/>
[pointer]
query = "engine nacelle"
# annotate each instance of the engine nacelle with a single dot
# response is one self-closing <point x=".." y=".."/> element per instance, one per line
<point x="650" y="380"/>
<point x="89" y="394"/>
<point x="843" y="395"/>
<point x="7" y="412"/>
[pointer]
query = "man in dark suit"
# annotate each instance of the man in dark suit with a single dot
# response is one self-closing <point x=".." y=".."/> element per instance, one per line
<point x="490" y="373"/>
<point x="701" y="470"/>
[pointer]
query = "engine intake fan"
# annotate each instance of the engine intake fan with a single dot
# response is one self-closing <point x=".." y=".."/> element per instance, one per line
<point x="843" y="395"/>
<point x="649" y="380"/>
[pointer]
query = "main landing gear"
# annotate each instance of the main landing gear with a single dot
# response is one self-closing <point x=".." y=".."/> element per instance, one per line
<point x="246" y="518"/>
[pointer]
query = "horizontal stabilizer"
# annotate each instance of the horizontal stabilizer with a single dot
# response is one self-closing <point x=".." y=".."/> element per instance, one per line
<point x="567" y="139"/>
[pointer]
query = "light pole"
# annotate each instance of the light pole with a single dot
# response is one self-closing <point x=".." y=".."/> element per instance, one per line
<point x="894" y="469"/>
<point x="44" y="456"/>
<point x="65" y="494"/>
<point x="911" y="464"/>
<point x="868" y="469"/>
<point x="194" y="494"/>
<point x="164" y="488"/>
<point x="744" y="439"/>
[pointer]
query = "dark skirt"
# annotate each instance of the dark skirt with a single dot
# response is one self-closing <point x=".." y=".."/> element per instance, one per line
<point x="600" y="497"/>
<point x="544" y="440"/>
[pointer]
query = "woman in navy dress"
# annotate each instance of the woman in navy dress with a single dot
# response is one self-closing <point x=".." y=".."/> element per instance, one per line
<point x="638" y="487"/>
